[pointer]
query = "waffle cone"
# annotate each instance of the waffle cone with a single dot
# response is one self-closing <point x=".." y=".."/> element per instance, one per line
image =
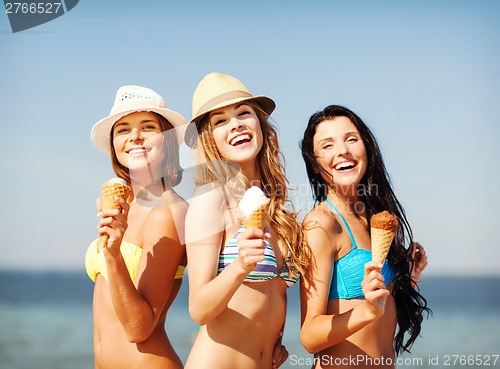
<point x="257" y="219"/>
<point x="381" y="243"/>
<point x="109" y="191"/>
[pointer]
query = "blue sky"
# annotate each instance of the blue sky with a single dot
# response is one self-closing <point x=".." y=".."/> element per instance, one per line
<point x="423" y="75"/>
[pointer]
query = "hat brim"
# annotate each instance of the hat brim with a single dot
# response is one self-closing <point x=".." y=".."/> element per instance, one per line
<point x="191" y="134"/>
<point x="101" y="131"/>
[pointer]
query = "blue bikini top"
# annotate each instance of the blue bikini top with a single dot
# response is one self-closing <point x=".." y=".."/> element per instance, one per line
<point x="348" y="271"/>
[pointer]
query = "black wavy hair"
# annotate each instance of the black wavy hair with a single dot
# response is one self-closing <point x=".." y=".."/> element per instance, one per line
<point x="376" y="193"/>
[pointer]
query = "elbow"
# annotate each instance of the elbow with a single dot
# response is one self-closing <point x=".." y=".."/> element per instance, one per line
<point x="308" y="341"/>
<point x="307" y="345"/>
<point x="136" y="338"/>
<point x="203" y="309"/>
<point x="138" y="335"/>
<point x="198" y="318"/>
<point x="197" y="315"/>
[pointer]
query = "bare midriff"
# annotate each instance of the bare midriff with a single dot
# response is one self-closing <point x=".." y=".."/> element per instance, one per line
<point x="370" y="347"/>
<point x="111" y="346"/>
<point x="244" y="334"/>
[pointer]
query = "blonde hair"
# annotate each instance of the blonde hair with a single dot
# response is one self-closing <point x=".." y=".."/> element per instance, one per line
<point x="213" y="168"/>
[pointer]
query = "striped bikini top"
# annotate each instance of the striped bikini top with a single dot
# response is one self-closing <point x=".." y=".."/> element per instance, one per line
<point x="265" y="270"/>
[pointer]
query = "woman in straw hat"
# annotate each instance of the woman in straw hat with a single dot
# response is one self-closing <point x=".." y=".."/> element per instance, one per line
<point x="351" y="304"/>
<point x="138" y="271"/>
<point x="238" y="277"/>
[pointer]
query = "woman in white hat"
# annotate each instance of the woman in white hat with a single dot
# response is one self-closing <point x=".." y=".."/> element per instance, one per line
<point x="138" y="272"/>
<point x="238" y="277"/>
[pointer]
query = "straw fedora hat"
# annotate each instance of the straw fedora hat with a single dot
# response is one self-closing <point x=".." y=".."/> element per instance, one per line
<point x="216" y="91"/>
<point x="131" y="99"/>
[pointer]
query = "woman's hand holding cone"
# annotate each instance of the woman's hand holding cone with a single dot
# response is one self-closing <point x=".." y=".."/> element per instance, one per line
<point x="374" y="289"/>
<point x="251" y="247"/>
<point x="112" y="225"/>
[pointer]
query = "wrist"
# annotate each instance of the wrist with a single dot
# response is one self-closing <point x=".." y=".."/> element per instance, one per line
<point x="240" y="270"/>
<point x="111" y="252"/>
<point x="367" y="314"/>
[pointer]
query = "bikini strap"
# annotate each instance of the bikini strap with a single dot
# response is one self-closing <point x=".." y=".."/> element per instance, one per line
<point x="354" y="246"/>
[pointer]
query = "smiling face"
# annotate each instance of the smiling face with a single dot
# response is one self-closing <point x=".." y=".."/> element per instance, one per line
<point x="138" y="142"/>
<point x="237" y="133"/>
<point x="340" y="151"/>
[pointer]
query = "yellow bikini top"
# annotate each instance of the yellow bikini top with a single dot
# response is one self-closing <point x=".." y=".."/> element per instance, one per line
<point x="95" y="263"/>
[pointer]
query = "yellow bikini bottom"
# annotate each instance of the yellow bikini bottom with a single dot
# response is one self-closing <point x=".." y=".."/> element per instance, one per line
<point x="95" y="263"/>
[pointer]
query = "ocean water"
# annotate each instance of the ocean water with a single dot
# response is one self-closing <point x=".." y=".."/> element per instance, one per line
<point x="46" y="323"/>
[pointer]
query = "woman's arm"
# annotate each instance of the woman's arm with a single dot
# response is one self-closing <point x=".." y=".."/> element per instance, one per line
<point x="139" y="306"/>
<point x="280" y="353"/>
<point x="320" y="331"/>
<point x="205" y="228"/>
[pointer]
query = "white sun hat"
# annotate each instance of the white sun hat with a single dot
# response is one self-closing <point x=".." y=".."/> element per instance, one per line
<point x="130" y="99"/>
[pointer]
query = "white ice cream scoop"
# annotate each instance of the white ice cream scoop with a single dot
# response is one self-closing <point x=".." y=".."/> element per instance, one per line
<point x="252" y="200"/>
<point x="118" y="180"/>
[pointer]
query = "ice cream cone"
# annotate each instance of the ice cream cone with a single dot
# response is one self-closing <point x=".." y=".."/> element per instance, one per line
<point x="257" y="219"/>
<point x="381" y="243"/>
<point x="254" y="205"/>
<point x="111" y="189"/>
<point x="383" y="230"/>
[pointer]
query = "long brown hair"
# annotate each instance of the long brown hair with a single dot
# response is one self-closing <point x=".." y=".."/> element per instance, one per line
<point x="213" y="168"/>
<point x="172" y="171"/>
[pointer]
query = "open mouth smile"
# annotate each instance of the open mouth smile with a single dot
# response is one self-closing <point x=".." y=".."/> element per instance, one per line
<point x="346" y="166"/>
<point x="138" y="151"/>
<point x="241" y="140"/>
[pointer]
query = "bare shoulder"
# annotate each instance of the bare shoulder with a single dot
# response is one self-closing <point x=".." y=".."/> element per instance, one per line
<point x="159" y="218"/>
<point x="208" y="195"/>
<point x="178" y="205"/>
<point x="322" y="229"/>
<point x="322" y="217"/>
<point x="205" y="216"/>
<point x="175" y="199"/>
<point x="206" y="204"/>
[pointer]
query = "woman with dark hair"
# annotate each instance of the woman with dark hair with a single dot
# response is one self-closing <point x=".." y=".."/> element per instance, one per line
<point x="138" y="271"/>
<point x="350" y="304"/>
